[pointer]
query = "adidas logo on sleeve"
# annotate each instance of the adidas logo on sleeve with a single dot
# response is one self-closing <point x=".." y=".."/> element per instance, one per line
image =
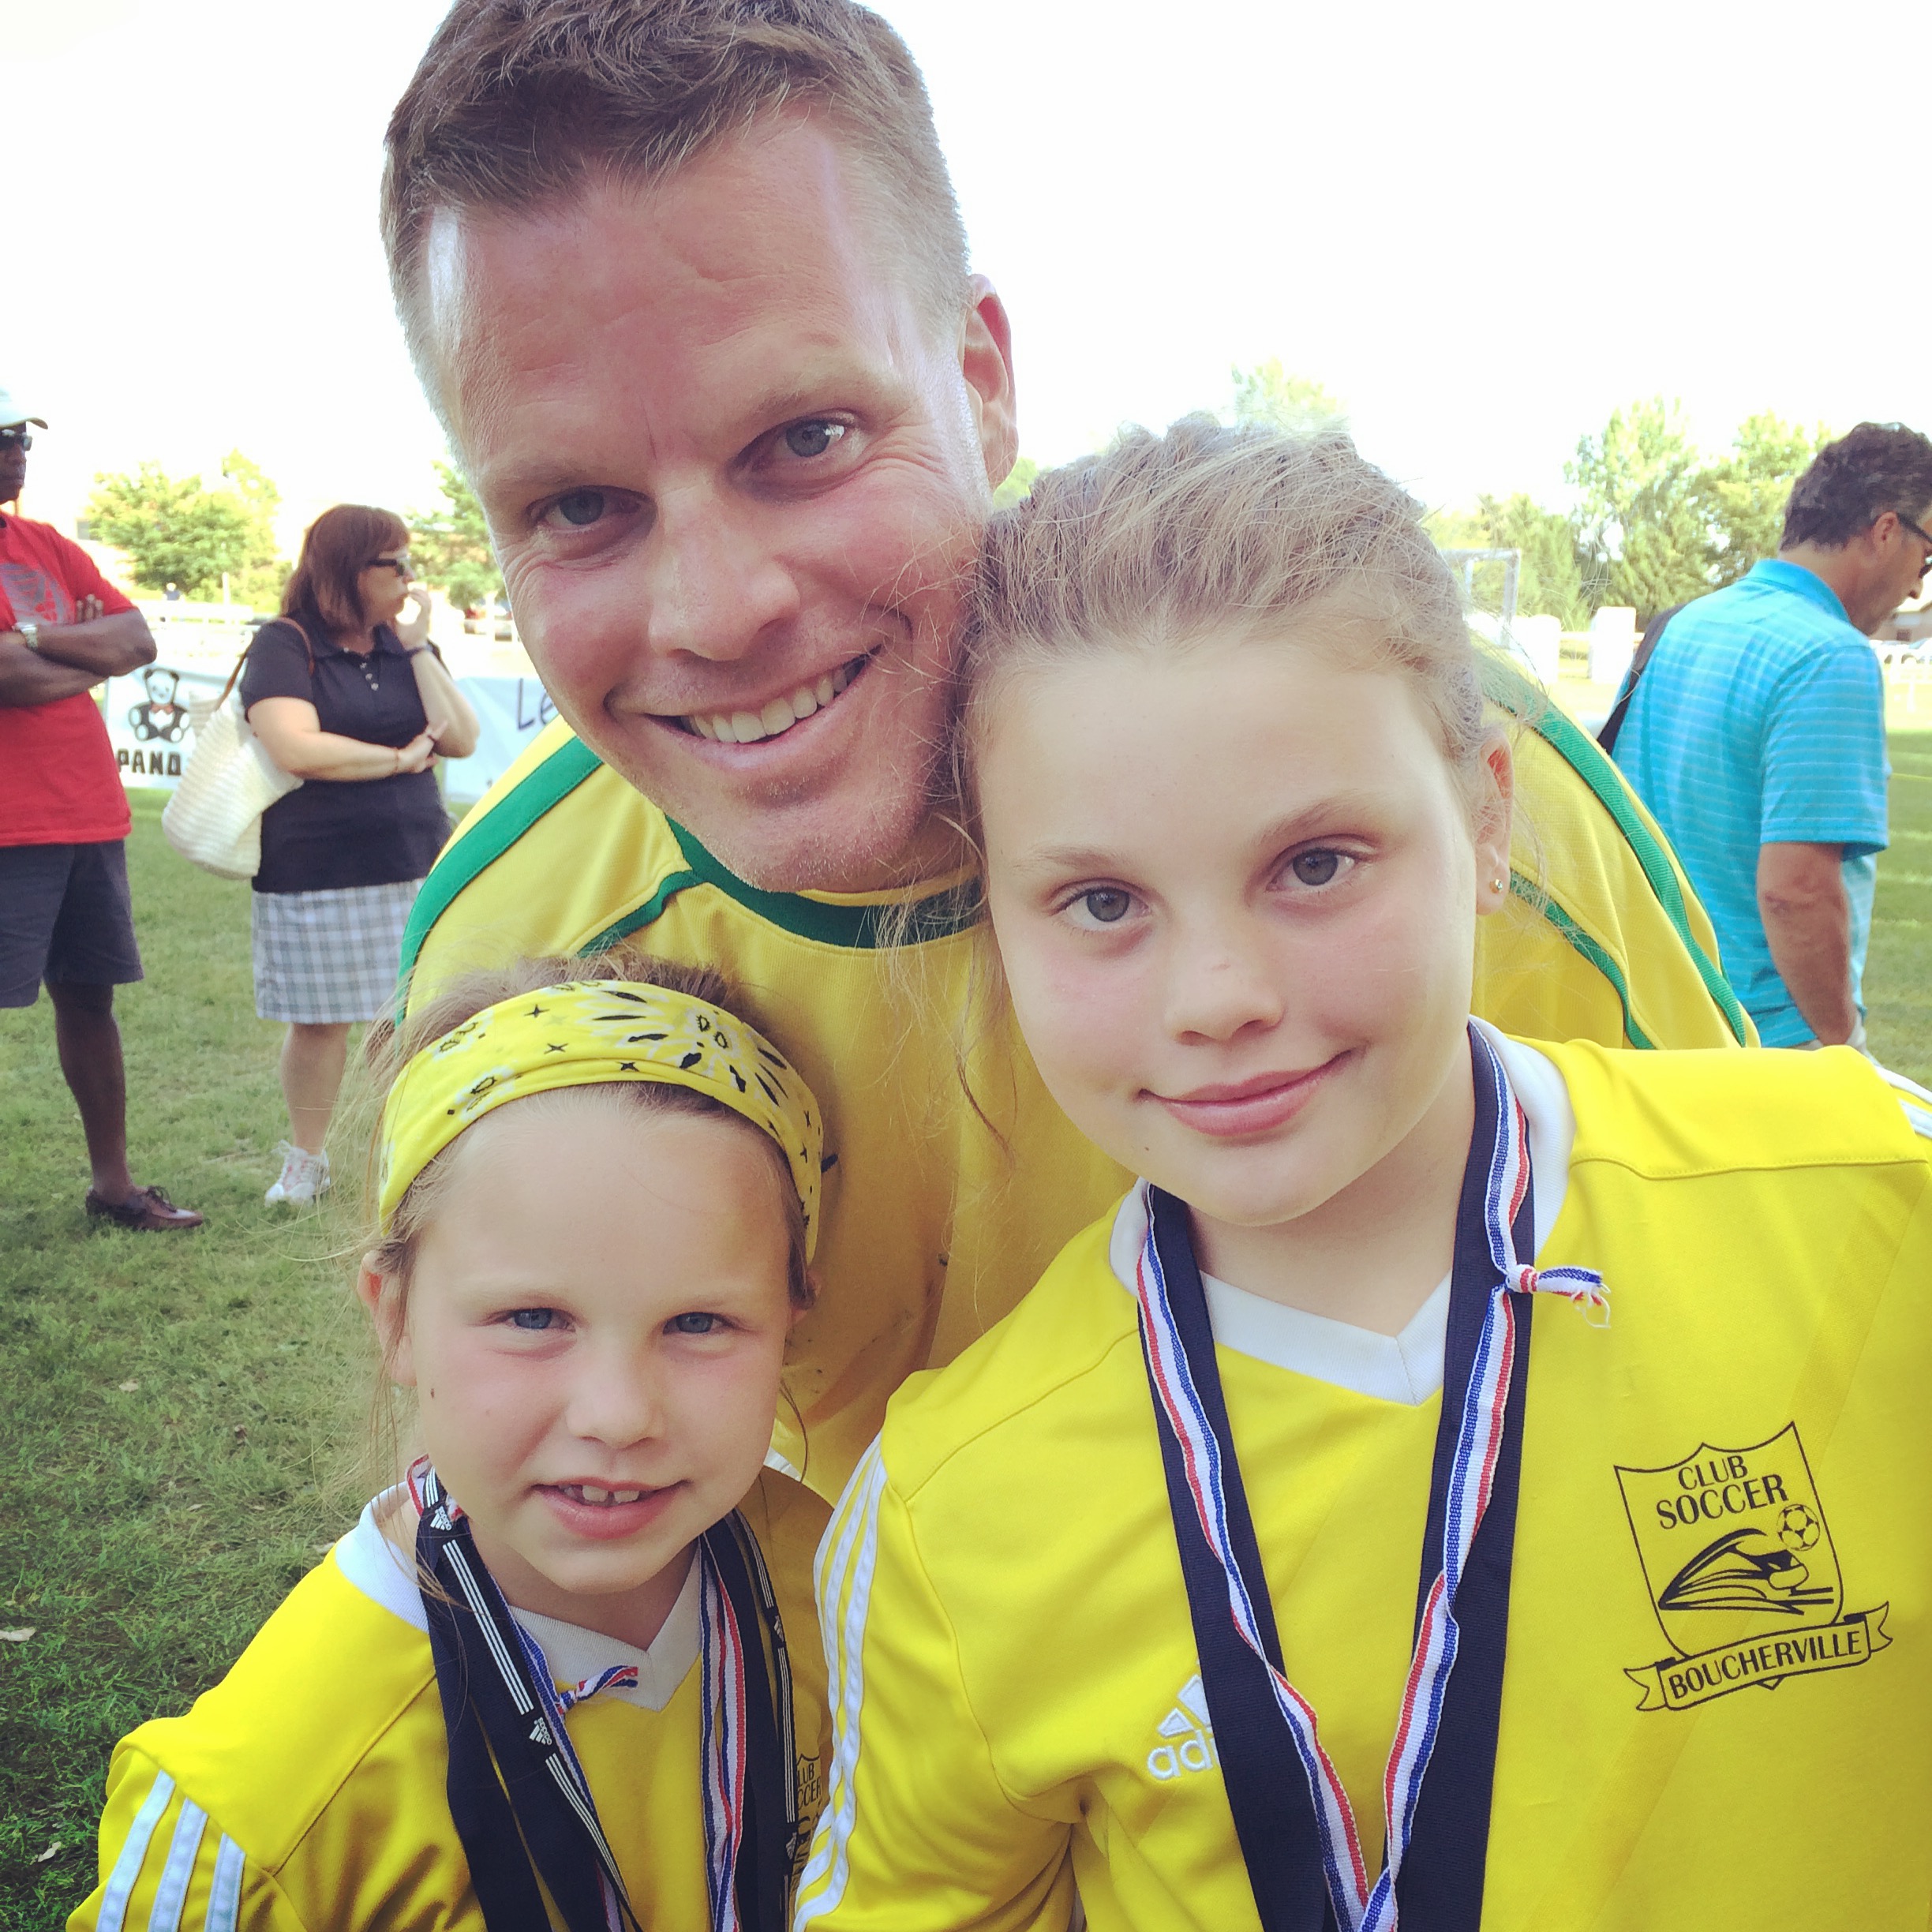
<point x="1187" y="1735"/>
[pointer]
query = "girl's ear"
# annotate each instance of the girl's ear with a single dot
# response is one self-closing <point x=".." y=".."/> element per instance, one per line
<point x="1495" y="810"/>
<point x="382" y="1295"/>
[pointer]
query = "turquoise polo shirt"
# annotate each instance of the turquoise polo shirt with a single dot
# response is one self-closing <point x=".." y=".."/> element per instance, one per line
<point x="1760" y="719"/>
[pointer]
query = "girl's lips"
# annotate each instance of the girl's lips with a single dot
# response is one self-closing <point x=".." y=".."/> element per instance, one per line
<point x="605" y="1522"/>
<point x="1240" y="1109"/>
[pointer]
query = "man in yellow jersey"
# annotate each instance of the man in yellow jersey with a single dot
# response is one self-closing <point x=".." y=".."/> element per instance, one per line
<point x="688" y="286"/>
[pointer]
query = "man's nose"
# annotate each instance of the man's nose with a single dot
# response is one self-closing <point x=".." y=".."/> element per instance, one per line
<point x="712" y="586"/>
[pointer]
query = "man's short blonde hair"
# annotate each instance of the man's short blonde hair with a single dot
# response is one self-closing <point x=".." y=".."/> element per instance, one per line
<point x="520" y="104"/>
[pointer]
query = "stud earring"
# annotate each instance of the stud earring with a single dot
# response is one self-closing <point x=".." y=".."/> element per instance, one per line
<point x="1496" y="885"/>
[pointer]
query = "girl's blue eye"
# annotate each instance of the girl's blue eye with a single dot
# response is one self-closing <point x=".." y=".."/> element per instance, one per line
<point x="1106" y="904"/>
<point x="535" y="1319"/>
<point x="693" y="1324"/>
<point x="1315" y="868"/>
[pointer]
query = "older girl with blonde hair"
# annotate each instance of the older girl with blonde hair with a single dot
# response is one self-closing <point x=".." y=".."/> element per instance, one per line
<point x="1466" y="1482"/>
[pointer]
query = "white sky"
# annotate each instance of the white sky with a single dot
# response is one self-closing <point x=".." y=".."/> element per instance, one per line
<point x="1483" y="226"/>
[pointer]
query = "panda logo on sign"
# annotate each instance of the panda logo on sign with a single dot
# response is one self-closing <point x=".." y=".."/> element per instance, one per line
<point x="160" y="718"/>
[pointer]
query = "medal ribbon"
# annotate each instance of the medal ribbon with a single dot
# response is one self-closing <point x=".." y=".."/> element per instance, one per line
<point x="1483" y="1393"/>
<point x="515" y="1778"/>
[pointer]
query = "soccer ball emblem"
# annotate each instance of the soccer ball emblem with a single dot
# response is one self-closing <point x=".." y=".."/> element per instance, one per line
<point x="1799" y="1527"/>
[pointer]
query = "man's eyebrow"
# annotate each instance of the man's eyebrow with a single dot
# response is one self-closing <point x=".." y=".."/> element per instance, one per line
<point x="839" y="384"/>
<point x="824" y="393"/>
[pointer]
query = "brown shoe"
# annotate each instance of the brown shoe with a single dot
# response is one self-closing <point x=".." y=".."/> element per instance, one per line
<point x="147" y="1210"/>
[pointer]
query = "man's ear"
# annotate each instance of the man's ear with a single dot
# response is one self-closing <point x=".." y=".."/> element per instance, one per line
<point x="382" y="1295"/>
<point x="1494" y="815"/>
<point x="986" y="361"/>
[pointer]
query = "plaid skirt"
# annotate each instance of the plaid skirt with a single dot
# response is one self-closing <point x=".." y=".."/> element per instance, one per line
<point x="321" y="958"/>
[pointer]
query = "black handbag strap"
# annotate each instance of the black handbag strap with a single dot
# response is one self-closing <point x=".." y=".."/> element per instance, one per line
<point x="1654" y="635"/>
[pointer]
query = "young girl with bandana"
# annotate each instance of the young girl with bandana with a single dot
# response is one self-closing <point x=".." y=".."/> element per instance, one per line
<point x="1466" y="1483"/>
<point x="567" y="1673"/>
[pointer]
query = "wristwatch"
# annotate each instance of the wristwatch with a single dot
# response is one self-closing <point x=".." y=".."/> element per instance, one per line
<point x="30" y="632"/>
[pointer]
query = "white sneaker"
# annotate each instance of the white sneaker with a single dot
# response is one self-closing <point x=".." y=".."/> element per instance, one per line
<point x="305" y="1176"/>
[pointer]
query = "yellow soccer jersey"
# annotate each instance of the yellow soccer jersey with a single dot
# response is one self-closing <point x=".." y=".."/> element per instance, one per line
<point x="936" y="1221"/>
<point x="307" y="1788"/>
<point x="1019" y="1710"/>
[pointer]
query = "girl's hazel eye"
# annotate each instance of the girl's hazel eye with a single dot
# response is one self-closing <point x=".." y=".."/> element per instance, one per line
<point x="1106" y="904"/>
<point x="693" y="1324"/>
<point x="535" y="1319"/>
<point x="1315" y="868"/>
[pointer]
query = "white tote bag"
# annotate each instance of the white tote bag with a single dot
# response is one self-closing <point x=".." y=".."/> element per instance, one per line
<point x="215" y="816"/>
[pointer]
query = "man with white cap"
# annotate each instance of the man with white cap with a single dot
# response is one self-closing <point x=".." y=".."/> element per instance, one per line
<point x="65" y="917"/>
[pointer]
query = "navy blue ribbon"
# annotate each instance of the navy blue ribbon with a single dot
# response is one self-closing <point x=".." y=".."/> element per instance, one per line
<point x="513" y="1795"/>
<point x="1439" y="1887"/>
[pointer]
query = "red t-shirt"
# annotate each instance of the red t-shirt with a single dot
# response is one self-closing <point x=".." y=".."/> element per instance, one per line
<point x="59" y="782"/>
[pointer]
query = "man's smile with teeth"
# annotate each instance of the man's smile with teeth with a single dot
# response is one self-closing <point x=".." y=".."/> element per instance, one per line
<point x="777" y="716"/>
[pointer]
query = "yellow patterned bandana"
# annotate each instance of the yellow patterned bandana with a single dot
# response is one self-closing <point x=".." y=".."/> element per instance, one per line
<point x="590" y="1032"/>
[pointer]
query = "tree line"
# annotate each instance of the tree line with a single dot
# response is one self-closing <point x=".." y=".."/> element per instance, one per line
<point x="180" y="533"/>
<point x="1654" y="521"/>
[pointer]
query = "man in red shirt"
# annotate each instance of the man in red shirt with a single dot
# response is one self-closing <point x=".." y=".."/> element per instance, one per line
<point x="65" y="913"/>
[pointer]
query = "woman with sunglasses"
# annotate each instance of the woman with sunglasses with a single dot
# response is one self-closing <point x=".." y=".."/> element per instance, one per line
<point x="348" y="695"/>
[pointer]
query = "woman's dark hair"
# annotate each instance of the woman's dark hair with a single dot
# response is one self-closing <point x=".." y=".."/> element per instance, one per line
<point x="324" y="593"/>
<point x="1853" y="482"/>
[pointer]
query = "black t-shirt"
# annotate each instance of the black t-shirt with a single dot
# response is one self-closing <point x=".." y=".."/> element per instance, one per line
<point x="333" y="832"/>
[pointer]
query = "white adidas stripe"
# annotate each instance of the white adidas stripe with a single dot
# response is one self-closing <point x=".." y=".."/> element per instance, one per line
<point x="224" y="1908"/>
<point x="121" y="1881"/>
<point x="172" y="1894"/>
<point x="846" y="1558"/>
<point x="1914" y="1099"/>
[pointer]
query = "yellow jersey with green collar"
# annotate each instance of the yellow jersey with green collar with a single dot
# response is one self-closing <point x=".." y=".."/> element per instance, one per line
<point x="1717" y="1704"/>
<point x="941" y="1210"/>
<point x="307" y="1789"/>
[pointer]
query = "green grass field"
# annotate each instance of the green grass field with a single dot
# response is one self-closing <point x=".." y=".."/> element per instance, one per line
<point x="187" y="1417"/>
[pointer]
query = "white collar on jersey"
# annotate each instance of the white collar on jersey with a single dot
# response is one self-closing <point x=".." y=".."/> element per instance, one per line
<point x="378" y="1569"/>
<point x="1405" y="1368"/>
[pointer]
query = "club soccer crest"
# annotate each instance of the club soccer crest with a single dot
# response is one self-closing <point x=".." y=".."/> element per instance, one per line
<point x="1742" y="1574"/>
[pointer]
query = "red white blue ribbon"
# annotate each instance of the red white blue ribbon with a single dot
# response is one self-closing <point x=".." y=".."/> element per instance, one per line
<point x="1362" y="1904"/>
<point x="525" y="1675"/>
<point x="619" y="1677"/>
<point x="721" y="1647"/>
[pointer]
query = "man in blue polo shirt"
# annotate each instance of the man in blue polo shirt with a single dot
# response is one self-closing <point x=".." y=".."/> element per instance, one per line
<point x="1756" y="735"/>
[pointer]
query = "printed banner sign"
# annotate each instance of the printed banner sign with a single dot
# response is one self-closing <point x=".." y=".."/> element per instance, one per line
<point x="511" y="711"/>
<point x="147" y="725"/>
